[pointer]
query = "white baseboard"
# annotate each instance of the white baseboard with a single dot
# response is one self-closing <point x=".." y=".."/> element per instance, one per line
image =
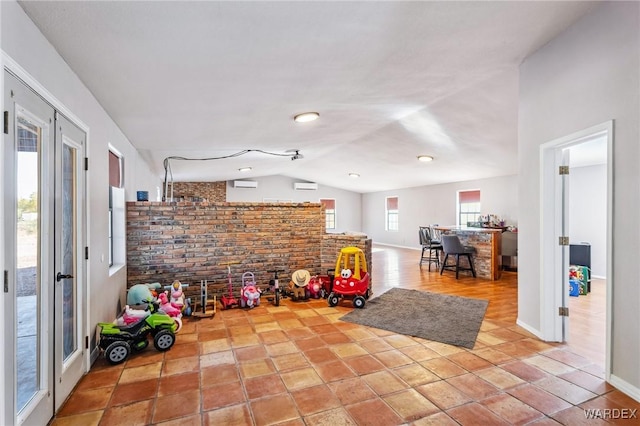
<point x="530" y="329"/>
<point x="397" y="246"/>
<point x="625" y="387"/>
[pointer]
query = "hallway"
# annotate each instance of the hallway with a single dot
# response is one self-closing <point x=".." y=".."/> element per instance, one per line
<point x="298" y="364"/>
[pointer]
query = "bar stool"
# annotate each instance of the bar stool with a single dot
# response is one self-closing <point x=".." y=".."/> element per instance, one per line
<point x="452" y="246"/>
<point x="430" y="246"/>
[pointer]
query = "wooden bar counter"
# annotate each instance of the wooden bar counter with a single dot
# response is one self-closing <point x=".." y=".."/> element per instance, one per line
<point x="486" y="241"/>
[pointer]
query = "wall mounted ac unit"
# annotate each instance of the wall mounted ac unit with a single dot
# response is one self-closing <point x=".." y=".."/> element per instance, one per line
<point x="305" y="186"/>
<point x="245" y="184"/>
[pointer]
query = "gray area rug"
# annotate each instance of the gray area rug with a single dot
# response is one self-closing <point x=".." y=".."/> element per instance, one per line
<point x="443" y="318"/>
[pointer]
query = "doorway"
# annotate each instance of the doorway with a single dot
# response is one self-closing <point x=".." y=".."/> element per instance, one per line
<point x="44" y="187"/>
<point x="555" y="224"/>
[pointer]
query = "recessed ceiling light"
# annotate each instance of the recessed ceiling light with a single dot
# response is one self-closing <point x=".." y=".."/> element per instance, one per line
<point x="425" y="158"/>
<point x="244" y="169"/>
<point x="354" y="175"/>
<point x="306" y="117"/>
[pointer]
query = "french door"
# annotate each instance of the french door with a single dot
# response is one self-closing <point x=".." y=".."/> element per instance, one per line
<point x="44" y="234"/>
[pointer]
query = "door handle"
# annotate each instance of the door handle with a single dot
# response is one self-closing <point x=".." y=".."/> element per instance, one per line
<point x="61" y="277"/>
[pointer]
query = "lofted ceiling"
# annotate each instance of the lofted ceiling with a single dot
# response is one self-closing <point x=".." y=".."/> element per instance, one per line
<point x="391" y="81"/>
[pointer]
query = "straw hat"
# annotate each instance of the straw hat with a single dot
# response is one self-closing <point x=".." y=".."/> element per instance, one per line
<point x="301" y="277"/>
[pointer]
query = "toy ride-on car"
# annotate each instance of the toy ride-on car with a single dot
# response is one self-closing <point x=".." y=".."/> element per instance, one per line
<point x="351" y="278"/>
<point x="118" y="341"/>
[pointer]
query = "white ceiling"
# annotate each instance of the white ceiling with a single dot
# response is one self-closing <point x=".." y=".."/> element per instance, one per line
<point x="391" y="80"/>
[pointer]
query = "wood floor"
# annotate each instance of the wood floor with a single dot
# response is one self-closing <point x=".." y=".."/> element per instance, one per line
<point x="299" y="364"/>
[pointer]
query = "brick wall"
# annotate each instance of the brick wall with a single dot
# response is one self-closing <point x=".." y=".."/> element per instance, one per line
<point x="213" y="192"/>
<point x="190" y="242"/>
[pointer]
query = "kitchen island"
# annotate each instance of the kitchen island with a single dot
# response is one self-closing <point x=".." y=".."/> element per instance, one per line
<point x="486" y="241"/>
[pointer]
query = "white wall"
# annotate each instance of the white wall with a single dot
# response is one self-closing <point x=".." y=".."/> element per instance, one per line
<point x="348" y="204"/>
<point x="587" y="76"/>
<point x="26" y="46"/>
<point x="588" y="213"/>
<point x="427" y="205"/>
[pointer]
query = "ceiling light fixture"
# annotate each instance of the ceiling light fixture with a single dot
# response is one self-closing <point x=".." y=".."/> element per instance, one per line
<point x="306" y="117"/>
<point x="354" y="175"/>
<point x="244" y="169"/>
<point x="425" y="158"/>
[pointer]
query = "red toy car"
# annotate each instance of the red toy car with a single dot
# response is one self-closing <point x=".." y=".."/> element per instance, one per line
<point x="351" y="278"/>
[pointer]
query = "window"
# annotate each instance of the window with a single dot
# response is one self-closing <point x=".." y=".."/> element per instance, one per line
<point x="391" y="214"/>
<point x="468" y="207"/>
<point x="329" y="212"/>
<point x="116" y="214"/>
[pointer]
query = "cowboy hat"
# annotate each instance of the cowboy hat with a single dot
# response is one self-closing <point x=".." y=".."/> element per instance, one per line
<point x="301" y="277"/>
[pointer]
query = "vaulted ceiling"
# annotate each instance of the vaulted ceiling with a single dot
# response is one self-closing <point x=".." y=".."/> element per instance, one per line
<point x="390" y="80"/>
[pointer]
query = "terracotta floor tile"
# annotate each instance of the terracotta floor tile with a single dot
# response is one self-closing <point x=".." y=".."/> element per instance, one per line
<point x="236" y="415"/>
<point x="250" y="353"/>
<point x="587" y="381"/>
<point x="283" y="348"/>
<point x="359" y="334"/>
<point x="415" y="374"/>
<point x="393" y="358"/>
<point x="290" y="324"/>
<point x="526" y="372"/>
<point x="290" y="362"/>
<point x="338" y="416"/>
<point x="217" y="345"/>
<point x="438" y="419"/>
<point x="310" y="321"/>
<point x="258" y="387"/>
<point x="335" y="338"/>
<point x="443" y="367"/>
<point x="493" y="356"/>
<point x="469" y="361"/>
<point x="347" y="350"/>
<point x="273" y="336"/>
<point x="595" y="370"/>
<point x="443" y="394"/>
<point x="399" y="341"/>
<point x="219" y="374"/>
<point x="300" y="333"/>
<point x="576" y="416"/>
<point x="324" y="328"/>
<point x="222" y="395"/>
<point x="244" y="340"/>
<point x="204" y="336"/>
<point x="217" y="358"/>
<point x="488" y="339"/>
<point x="87" y="400"/>
<point x="442" y="348"/>
<point x="499" y="378"/>
<point x="193" y="420"/>
<point x="177" y="383"/>
<point x="320" y="355"/>
<point x="176" y="405"/>
<point x="373" y="412"/>
<point x="622" y="399"/>
<point x="506" y="334"/>
<point x="419" y="353"/>
<point x="511" y="409"/>
<point x="135" y="391"/>
<point x="515" y="349"/>
<point x="333" y="370"/>
<point x="298" y="379"/>
<point x="475" y="414"/>
<point x="571" y="393"/>
<point x="545" y="421"/>
<point x="267" y="327"/>
<point x="257" y="368"/>
<point x="148" y="356"/>
<point x="567" y="357"/>
<point x="138" y="413"/>
<point x="144" y="372"/>
<point x="91" y="418"/>
<point x="315" y="399"/>
<point x="549" y="365"/>
<point x="350" y="391"/>
<point x="283" y="315"/>
<point x="100" y="378"/>
<point x="183" y="350"/>
<point x="384" y="382"/>
<point x="306" y="344"/>
<point x="539" y="399"/>
<point x="273" y="409"/>
<point x="410" y="404"/>
<point x="364" y="364"/>
<point x="181" y="365"/>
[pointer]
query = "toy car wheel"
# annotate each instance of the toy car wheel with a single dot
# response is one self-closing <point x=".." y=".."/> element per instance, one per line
<point x="163" y="340"/>
<point x="367" y="295"/>
<point x="333" y="299"/>
<point x="358" y="302"/>
<point x="117" y="352"/>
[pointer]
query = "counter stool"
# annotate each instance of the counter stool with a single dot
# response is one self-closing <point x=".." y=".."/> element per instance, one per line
<point x="429" y="245"/>
<point x="452" y="246"/>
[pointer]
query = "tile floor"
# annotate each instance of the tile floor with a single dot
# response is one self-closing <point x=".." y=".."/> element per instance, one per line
<point x="298" y="364"/>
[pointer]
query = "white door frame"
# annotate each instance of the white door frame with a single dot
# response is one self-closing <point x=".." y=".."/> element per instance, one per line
<point x="551" y="282"/>
<point x="12" y="66"/>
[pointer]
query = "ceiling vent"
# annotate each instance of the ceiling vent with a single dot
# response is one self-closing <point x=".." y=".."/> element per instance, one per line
<point x="245" y="184"/>
<point x="305" y="186"/>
